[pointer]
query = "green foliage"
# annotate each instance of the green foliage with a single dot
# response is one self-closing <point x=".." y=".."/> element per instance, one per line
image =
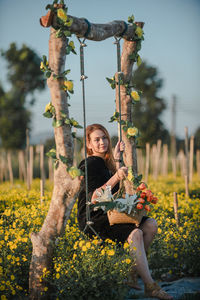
<point x="147" y="113"/>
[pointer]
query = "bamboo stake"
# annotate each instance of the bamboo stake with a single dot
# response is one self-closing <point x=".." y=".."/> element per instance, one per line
<point x="157" y="158"/>
<point x="176" y="209"/>
<point x="191" y="158"/>
<point x="147" y="161"/>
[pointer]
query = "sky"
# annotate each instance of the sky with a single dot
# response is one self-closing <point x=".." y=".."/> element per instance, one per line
<point x="172" y="45"/>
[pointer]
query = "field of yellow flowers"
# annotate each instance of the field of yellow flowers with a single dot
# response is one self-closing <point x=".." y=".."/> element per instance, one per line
<point x="88" y="269"/>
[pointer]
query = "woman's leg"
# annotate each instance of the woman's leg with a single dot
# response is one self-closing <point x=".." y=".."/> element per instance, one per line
<point x="149" y="228"/>
<point x="135" y="240"/>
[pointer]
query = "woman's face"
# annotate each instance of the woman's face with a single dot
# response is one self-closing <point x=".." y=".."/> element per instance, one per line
<point x="98" y="143"/>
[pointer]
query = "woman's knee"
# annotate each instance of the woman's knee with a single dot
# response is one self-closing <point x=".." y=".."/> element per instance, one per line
<point x="150" y="226"/>
<point x="135" y="235"/>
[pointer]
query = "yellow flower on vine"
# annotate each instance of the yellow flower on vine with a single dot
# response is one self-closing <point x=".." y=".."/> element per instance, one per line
<point x="62" y="14"/>
<point x="132" y="131"/>
<point x="71" y="44"/>
<point x="69" y="85"/>
<point x="139" y="32"/>
<point x="135" y="96"/>
<point x="41" y="65"/>
<point x="74" y="172"/>
<point x="139" y="61"/>
<point x="48" y="107"/>
<point x="69" y="23"/>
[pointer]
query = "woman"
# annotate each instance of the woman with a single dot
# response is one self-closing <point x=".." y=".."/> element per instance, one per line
<point x="104" y="169"/>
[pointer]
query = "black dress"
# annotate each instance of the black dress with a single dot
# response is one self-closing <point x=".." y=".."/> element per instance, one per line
<point x="98" y="175"/>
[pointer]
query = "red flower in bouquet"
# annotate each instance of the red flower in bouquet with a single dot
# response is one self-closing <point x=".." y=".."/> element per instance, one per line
<point x="147" y="207"/>
<point x="139" y="206"/>
<point x="141" y="187"/>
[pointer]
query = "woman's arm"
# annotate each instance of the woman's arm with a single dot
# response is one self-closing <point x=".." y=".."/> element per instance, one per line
<point x="120" y="146"/>
<point x="119" y="175"/>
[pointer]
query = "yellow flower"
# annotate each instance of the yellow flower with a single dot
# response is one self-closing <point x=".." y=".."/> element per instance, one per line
<point x="74" y="172"/>
<point x="41" y="65"/>
<point x="88" y="245"/>
<point x="139" y="61"/>
<point x="126" y="245"/>
<point x="71" y="44"/>
<point x="159" y="230"/>
<point x="62" y="14"/>
<point x="175" y="255"/>
<point x="128" y="261"/>
<point x="102" y="252"/>
<point x="84" y="248"/>
<point x="57" y="275"/>
<point x="3" y="297"/>
<point x="132" y="131"/>
<point x="48" y="107"/>
<point x="45" y="288"/>
<point x="130" y="176"/>
<point x="111" y="252"/>
<point x="139" y="31"/>
<point x="12" y="277"/>
<point x="69" y="23"/>
<point x="135" y="96"/>
<point x="69" y="85"/>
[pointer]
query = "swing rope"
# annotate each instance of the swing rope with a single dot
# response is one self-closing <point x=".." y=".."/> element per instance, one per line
<point x="89" y="223"/>
<point x="120" y="76"/>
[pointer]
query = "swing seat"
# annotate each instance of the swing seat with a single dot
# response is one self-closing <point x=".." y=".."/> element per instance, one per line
<point x="116" y="217"/>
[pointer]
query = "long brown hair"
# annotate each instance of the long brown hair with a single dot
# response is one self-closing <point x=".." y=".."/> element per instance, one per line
<point x="109" y="159"/>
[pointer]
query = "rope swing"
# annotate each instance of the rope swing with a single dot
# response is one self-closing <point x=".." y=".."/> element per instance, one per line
<point x="89" y="223"/>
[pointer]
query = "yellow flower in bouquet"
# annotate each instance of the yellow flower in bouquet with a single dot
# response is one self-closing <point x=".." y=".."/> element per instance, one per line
<point x="69" y="85"/>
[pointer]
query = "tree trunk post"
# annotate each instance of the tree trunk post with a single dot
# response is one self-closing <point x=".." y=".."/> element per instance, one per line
<point x="65" y="188"/>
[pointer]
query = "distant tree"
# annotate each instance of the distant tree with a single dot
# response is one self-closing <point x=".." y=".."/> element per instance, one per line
<point x="147" y="113"/>
<point x="25" y="78"/>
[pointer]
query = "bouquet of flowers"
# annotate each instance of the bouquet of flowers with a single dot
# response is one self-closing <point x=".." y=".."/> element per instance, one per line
<point x="125" y="208"/>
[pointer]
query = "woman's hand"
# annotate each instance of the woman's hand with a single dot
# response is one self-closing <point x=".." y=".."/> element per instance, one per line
<point x="121" y="173"/>
<point x="120" y="146"/>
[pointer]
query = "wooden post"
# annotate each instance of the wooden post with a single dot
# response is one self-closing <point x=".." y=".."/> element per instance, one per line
<point x="187" y="162"/>
<point x="157" y="158"/>
<point x="173" y="136"/>
<point x="10" y="170"/>
<point x="31" y="155"/>
<point x="182" y="162"/>
<point x="153" y="160"/>
<point x="176" y="209"/>
<point x="198" y="162"/>
<point x="27" y="160"/>
<point x="165" y="160"/>
<point x="22" y="167"/>
<point x="147" y="162"/>
<point x="191" y="158"/>
<point x="42" y="172"/>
